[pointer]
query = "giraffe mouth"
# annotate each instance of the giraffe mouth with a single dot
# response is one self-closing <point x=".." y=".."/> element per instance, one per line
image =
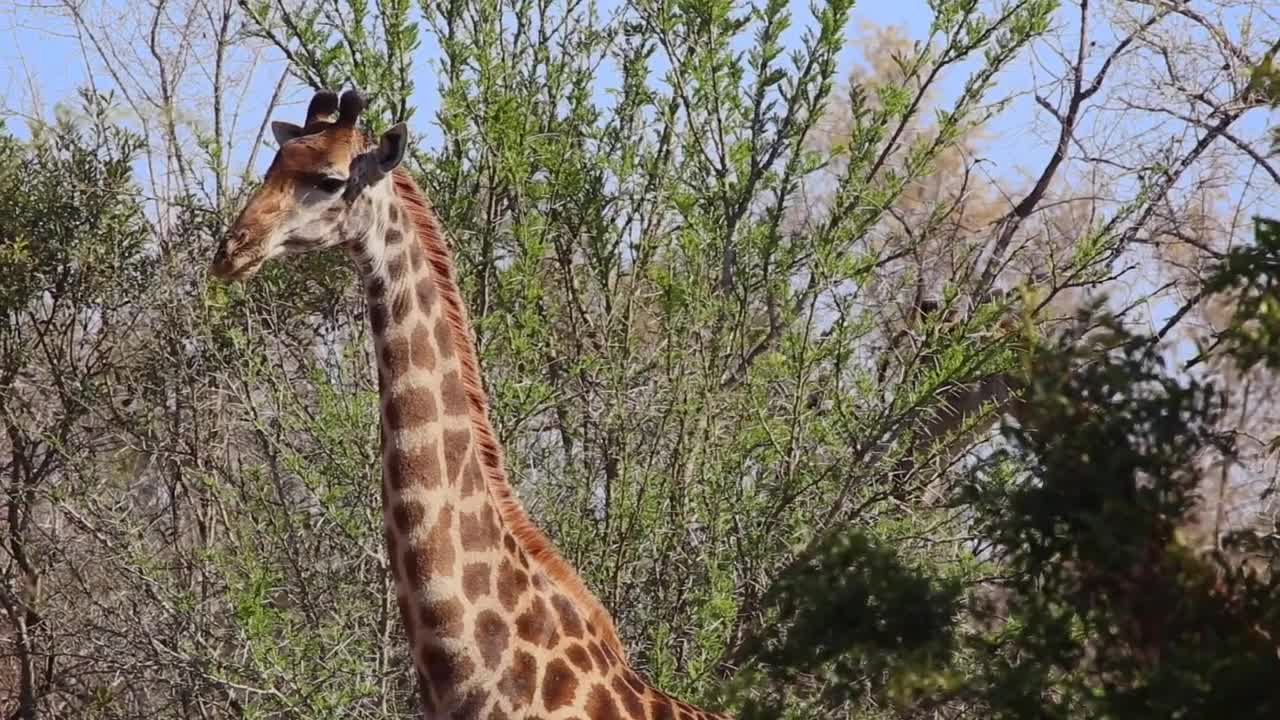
<point x="228" y="269"/>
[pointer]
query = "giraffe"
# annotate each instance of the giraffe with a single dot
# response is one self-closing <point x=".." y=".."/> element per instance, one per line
<point x="500" y="625"/>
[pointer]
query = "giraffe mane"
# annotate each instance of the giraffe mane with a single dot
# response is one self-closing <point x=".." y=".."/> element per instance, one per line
<point x="527" y="534"/>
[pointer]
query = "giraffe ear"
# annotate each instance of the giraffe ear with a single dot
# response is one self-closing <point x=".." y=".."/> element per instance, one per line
<point x="391" y="147"/>
<point x="285" y="131"/>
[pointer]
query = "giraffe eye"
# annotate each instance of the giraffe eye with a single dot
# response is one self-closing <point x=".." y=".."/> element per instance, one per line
<point x="331" y="184"/>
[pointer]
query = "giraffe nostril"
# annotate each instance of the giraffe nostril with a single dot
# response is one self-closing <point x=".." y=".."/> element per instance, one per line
<point x="223" y="260"/>
<point x="232" y="244"/>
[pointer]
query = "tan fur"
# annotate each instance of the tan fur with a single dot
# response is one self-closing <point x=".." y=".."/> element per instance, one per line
<point x="514" y="517"/>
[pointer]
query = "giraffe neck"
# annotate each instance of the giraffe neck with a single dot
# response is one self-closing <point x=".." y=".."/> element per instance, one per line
<point x="500" y="627"/>
<point x="480" y="615"/>
<point x="527" y="535"/>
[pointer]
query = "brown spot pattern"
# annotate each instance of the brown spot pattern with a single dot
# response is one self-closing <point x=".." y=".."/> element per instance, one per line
<point x="444" y="338"/>
<point x="420" y="342"/>
<point x="411" y="408"/>
<point x="395" y="356"/>
<point x="478" y="530"/>
<point x="395" y="265"/>
<point x="520" y="679"/>
<point x="402" y="304"/>
<point x="473" y="480"/>
<point x="443" y="618"/>
<point x="394" y="236"/>
<point x="438" y="546"/>
<point x="492" y="637"/>
<point x="475" y="580"/>
<point x="421" y="464"/>
<point x="569" y="620"/>
<point x="629" y="697"/>
<point x="534" y="625"/>
<point x="600" y="705"/>
<point x="512" y="583"/>
<point x="633" y="680"/>
<point x="660" y="709"/>
<point x="408" y="514"/>
<point x="456" y="444"/>
<point x="612" y="656"/>
<point x="471" y="706"/>
<point x="579" y="656"/>
<point x="491" y="520"/>
<point x="558" y="685"/>
<point x="445" y="669"/>
<point x="601" y="661"/>
<point x="413" y="565"/>
<point x="453" y="396"/>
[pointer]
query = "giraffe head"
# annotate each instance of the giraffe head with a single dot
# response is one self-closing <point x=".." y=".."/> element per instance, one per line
<point x="319" y="190"/>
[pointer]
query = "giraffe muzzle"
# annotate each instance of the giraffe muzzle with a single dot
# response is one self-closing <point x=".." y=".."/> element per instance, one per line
<point x="230" y="263"/>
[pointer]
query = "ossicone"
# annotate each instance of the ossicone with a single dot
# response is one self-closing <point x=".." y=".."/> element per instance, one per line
<point x="322" y="107"/>
<point x="350" y="107"/>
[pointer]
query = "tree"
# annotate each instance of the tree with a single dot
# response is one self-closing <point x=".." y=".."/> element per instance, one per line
<point x="73" y="260"/>
<point x="1102" y="609"/>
